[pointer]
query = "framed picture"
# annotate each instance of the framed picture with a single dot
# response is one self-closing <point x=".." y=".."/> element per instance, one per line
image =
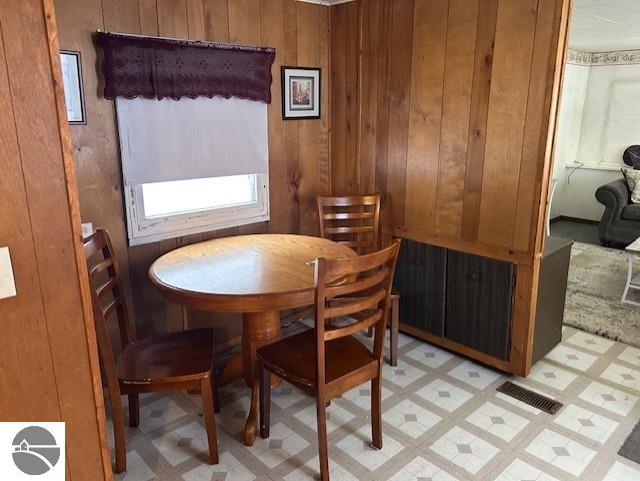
<point x="300" y="93"/>
<point x="72" y="80"/>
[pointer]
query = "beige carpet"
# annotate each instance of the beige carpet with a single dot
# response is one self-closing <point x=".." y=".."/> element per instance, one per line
<point x="597" y="276"/>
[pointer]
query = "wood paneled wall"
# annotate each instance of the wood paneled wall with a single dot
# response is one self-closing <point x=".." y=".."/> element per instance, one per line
<point x="443" y="105"/>
<point x="447" y="108"/>
<point x="299" y="151"/>
<point x="47" y="343"/>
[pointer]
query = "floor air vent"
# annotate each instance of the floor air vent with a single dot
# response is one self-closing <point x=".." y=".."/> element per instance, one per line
<point x="531" y="398"/>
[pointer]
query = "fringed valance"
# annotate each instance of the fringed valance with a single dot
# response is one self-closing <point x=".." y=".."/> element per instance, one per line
<point x="151" y="67"/>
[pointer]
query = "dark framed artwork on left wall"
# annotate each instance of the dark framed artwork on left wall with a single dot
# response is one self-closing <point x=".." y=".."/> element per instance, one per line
<point x="71" y="64"/>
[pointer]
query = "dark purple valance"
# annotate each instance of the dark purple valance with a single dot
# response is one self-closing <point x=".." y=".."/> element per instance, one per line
<point x="152" y="67"/>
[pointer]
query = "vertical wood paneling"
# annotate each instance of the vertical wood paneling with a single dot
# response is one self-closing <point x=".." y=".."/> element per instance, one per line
<point x="172" y="18"/>
<point x="515" y="31"/>
<point x="148" y="12"/>
<point x="369" y="26"/>
<point x="195" y="19"/>
<point x="291" y="127"/>
<point x="308" y="130"/>
<point x="383" y="99"/>
<point x="44" y="354"/>
<point x="339" y="73"/>
<point x="324" y="147"/>
<point x="216" y="20"/>
<point x="537" y="121"/>
<point x="427" y="83"/>
<point x="483" y="63"/>
<point x="272" y="30"/>
<point x="468" y="171"/>
<point x="243" y="27"/>
<point x="399" y="99"/>
<point x="456" y="105"/>
<point x="121" y="13"/>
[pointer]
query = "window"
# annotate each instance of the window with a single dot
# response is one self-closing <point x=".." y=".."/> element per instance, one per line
<point x="162" y="210"/>
<point x="192" y="165"/>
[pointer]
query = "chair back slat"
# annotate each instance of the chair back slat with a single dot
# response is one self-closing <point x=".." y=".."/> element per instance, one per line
<point x="104" y="278"/>
<point x="351" y="220"/>
<point x="353" y="306"/>
<point x="352" y="295"/>
<point x="334" y="332"/>
<point x="343" y="289"/>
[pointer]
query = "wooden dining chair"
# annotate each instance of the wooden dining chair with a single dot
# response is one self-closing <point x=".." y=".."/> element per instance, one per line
<point x="350" y="295"/>
<point x="354" y="220"/>
<point x="180" y="360"/>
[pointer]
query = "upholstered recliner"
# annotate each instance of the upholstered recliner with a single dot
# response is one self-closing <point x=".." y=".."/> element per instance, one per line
<point x="620" y="223"/>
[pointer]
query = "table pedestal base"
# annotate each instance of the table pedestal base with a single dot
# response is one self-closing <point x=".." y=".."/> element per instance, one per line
<point x="258" y="329"/>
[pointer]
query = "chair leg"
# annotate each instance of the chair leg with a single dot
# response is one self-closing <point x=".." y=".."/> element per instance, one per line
<point x="376" y="412"/>
<point x="370" y="332"/>
<point x="216" y="394"/>
<point x="134" y="410"/>
<point x="321" y="407"/>
<point x="265" y="401"/>
<point x="118" y="430"/>
<point x="395" y="315"/>
<point x="208" y="408"/>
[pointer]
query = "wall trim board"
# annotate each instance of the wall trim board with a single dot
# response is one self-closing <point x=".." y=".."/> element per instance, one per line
<point x="463" y="245"/>
<point x="603" y="59"/>
<point x="76" y="226"/>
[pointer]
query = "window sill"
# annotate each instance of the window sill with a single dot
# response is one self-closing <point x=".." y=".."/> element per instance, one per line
<point x="160" y="236"/>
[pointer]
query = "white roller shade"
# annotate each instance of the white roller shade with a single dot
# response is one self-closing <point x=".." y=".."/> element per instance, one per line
<point x="164" y="140"/>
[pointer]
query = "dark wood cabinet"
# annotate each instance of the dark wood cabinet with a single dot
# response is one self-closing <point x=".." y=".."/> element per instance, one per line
<point x="454" y="296"/>
<point x="478" y="303"/>
<point x="420" y="277"/>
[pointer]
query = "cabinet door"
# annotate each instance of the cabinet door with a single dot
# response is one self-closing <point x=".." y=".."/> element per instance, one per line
<point x="478" y="303"/>
<point x="420" y="281"/>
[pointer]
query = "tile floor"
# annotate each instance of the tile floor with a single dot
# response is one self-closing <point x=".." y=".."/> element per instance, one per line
<point x="443" y="421"/>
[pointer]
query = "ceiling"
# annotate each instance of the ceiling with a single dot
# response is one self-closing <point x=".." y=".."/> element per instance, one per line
<point x="603" y="25"/>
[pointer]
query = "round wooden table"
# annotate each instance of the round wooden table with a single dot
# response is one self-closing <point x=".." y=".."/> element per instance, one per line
<point x="256" y="275"/>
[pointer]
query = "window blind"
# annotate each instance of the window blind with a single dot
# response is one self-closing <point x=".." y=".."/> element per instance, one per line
<point x="164" y="140"/>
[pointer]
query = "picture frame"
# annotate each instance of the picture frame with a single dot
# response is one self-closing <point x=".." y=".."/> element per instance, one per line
<point x="301" y="92"/>
<point x="71" y="64"/>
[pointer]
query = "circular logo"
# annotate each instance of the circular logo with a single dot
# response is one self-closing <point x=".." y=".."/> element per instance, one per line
<point x="35" y="451"/>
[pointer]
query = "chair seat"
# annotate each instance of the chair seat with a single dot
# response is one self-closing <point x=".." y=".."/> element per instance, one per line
<point x="175" y="357"/>
<point x="293" y="358"/>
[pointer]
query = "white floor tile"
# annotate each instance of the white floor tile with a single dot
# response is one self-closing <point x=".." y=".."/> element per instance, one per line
<point x="561" y="452"/>
<point x="520" y="471"/>
<point x="410" y="418"/>
<point x="419" y="470"/>
<point x="609" y="398"/>
<point x="570" y="357"/>
<point x="464" y="449"/>
<point x="497" y="421"/>
<point x="589" y="341"/>
<point x="586" y="423"/>
<point x="622" y="472"/>
<point x="474" y="374"/>
<point x="444" y="395"/>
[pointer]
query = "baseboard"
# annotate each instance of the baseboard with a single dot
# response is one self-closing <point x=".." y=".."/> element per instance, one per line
<point x="573" y="219"/>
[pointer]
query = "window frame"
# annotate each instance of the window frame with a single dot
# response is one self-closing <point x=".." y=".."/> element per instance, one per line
<point x="144" y="230"/>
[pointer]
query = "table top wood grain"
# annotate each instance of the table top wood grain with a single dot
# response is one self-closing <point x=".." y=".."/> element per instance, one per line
<point x="249" y="273"/>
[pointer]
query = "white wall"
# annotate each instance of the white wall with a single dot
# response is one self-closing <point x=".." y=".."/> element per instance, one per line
<point x="599" y="117"/>
<point x="611" y="120"/>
